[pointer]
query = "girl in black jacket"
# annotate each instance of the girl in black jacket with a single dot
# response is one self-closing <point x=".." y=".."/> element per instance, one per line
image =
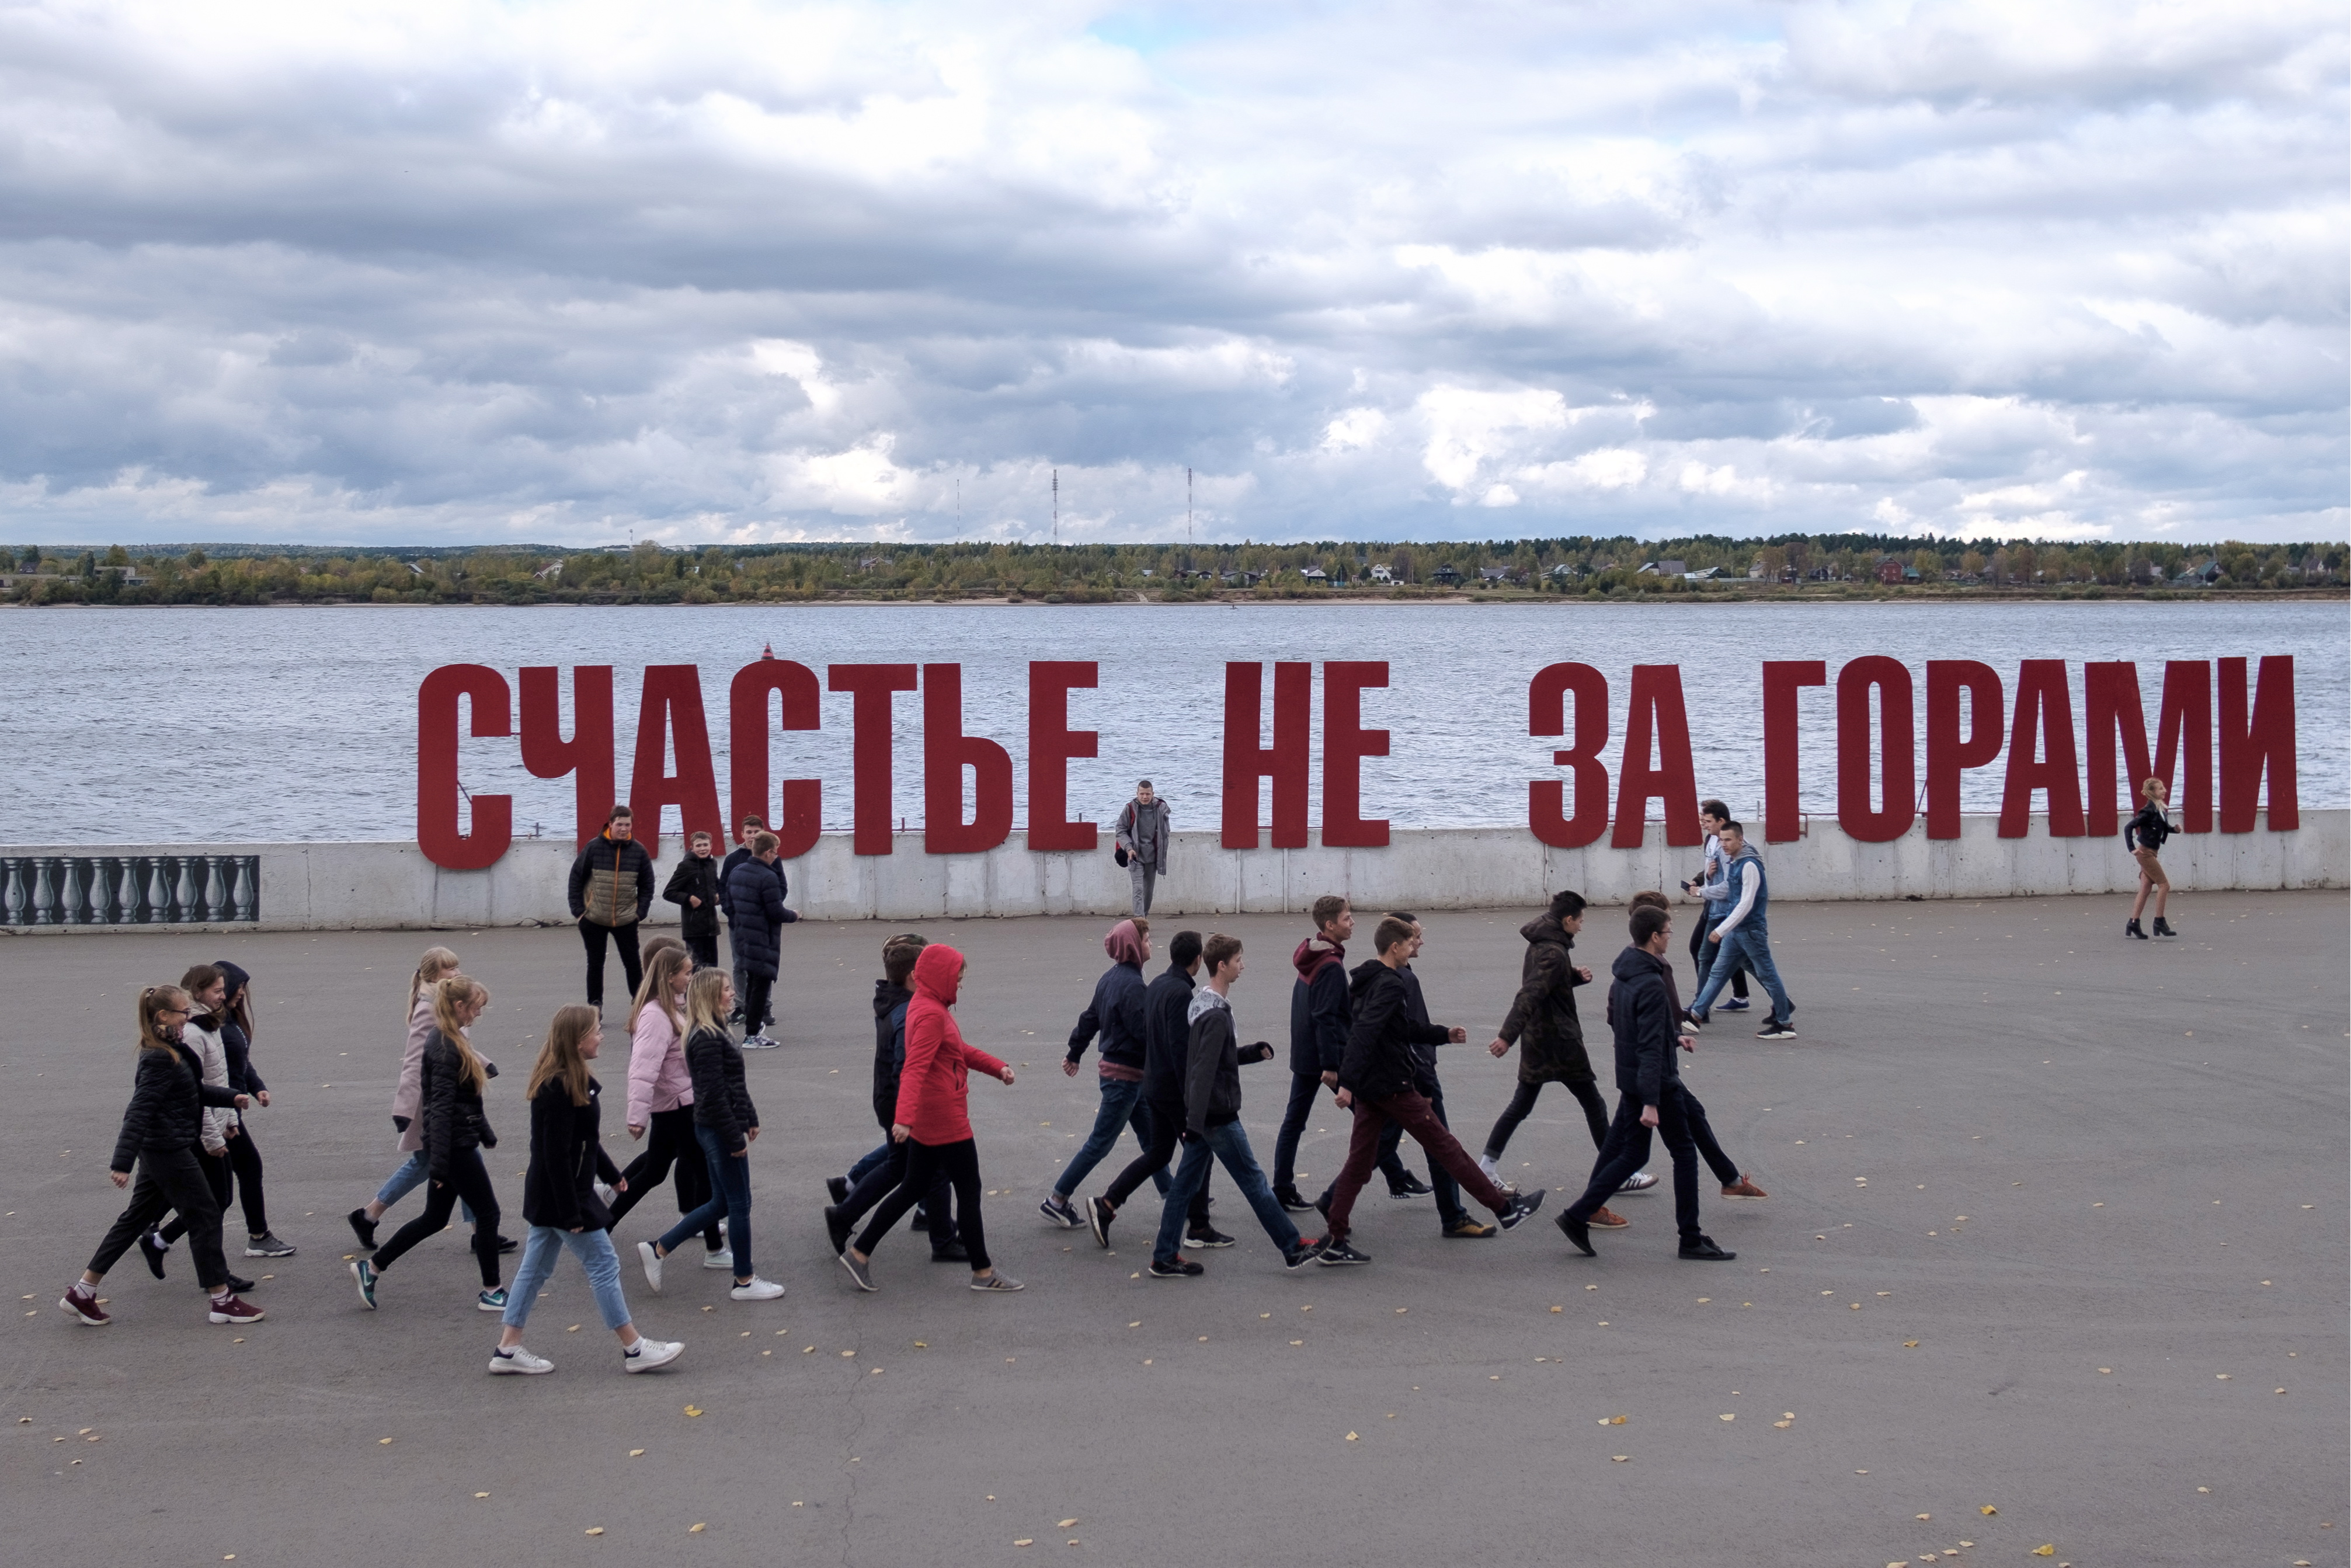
<point x="560" y="1199"/>
<point x="2143" y="835"/>
<point x="724" y="1123"/>
<point x="159" y="1135"/>
<point x="236" y="1042"/>
<point x="456" y="1131"/>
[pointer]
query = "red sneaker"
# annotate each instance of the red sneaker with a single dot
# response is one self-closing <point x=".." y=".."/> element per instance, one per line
<point x="82" y="1307"/>
<point x="235" y="1309"/>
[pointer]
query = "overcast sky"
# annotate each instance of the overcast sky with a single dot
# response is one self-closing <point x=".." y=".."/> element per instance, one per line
<point x="435" y="271"/>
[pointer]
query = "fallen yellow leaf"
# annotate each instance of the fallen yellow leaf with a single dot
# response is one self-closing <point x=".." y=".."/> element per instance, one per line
<point x="695" y="1529"/>
<point x="1351" y="1437"/>
<point x="1730" y="1417"/>
<point x="382" y="1440"/>
<point x="1618" y="1459"/>
<point x="1067" y="1524"/>
<point x="2045" y="1551"/>
<point x="595" y="1529"/>
<point x="1924" y="1516"/>
<point x="636" y="1453"/>
<point x="694" y="1409"/>
<point x="1989" y="1510"/>
<point x="1024" y="1541"/>
<point x="1910" y="1345"/>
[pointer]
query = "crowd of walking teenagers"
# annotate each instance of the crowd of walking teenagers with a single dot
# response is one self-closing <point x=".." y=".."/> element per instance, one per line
<point x="1168" y="1057"/>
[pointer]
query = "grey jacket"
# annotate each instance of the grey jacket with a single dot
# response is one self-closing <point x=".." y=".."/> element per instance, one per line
<point x="1142" y="832"/>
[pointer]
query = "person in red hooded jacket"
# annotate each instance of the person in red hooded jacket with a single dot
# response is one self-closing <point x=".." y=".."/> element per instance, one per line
<point x="934" y="1124"/>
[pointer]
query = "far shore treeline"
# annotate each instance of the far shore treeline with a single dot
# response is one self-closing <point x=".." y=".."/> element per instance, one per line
<point x="1789" y="566"/>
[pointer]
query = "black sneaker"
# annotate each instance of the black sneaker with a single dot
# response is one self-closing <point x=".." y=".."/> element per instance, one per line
<point x="152" y="1248"/>
<point x="236" y="1284"/>
<point x="1578" y="1233"/>
<point x="1180" y="1268"/>
<point x="1704" y="1250"/>
<point x="1212" y="1236"/>
<point x="836" y="1229"/>
<point x="1411" y="1186"/>
<point x="1098" y="1214"/>
<point x="363" y="1227"/>
<point x="1309" y="1249"/>
<point x="951" y="1252"/>
<point x="1339" y="1255"/>
<point x="1290" y="1199"/>
<point x="922" y="1220"/>
<point x="507" y="1244"/>
<point x="1776" y="1031"/>
<point x="836" y="1188"/>
<point x="1520" y="1206"/>
<point x="1060" y="1211"/>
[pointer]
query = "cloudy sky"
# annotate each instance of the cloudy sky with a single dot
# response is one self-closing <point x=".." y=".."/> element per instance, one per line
<point x="438" y="271"/>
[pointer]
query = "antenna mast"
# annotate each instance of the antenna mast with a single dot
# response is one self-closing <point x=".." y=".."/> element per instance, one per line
<point x="1187" y="504"/>
<point x="1057" y="506"/>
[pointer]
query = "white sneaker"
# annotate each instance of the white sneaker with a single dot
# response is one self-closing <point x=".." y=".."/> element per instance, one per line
<point x="758" y="1290"/>
<point x="648" y="1353"/>
<point x="1492" y="1167"/>
<point x="519" y="1360"/>
<point x="1639" y="1181"/>
<point x="722" y="1259"/>
<point x="652" y="1261"/>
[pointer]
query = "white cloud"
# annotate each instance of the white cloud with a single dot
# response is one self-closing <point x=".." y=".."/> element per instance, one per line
<point x="459" y="269"/>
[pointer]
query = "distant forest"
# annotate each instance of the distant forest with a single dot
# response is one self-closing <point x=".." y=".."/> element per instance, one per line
<point x="1791" y="566"/>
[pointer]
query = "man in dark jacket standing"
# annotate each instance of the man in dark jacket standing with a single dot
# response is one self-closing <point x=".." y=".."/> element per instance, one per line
<point x="753" y="826"/>
<point x="755" y="901"/>
<point x="693" y="886"/>
<point x="1166" y="1031"/>
<point x="611" y="888"/>
<point x="1375" y="1082"/>
<point x="1648" y="1078"/>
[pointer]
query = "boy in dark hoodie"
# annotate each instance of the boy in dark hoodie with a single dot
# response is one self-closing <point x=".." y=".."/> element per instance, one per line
<point x="1376" y="1079"/>
<point x="1212" y="1121"/>
<point x="877" y="1175"/>
<point x="1644" y="1017"/>
<point x="1168" y="1031"/>
<point x="1320" y="1017"/>
<point x="1116" y="1015"/>
<point x="693" y="886"/>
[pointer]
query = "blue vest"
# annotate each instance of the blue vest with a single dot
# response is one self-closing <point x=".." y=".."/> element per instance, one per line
<point x="1749" y="864"/>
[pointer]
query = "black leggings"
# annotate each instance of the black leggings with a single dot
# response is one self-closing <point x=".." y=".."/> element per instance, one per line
<point x="239" y="1169"/>
<point x="925" y="1163"/>
<point x="1587" y="1094"/>
<point x="170" y="1179"/>
<point x="469" y="1181"/>
<point x="670" y="1142"/>
<point x="1166" y="1137"/>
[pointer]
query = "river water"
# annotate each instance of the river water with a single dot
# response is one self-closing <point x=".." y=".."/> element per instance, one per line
<point x="278" y="725"/>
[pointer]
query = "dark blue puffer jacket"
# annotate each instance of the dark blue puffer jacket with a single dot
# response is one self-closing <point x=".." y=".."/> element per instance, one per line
<point x="755" y="904"/>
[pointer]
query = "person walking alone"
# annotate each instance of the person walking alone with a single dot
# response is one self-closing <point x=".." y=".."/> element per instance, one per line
<point x="693" y="886"/>
<point x="160" y="1129"/>
<point x="1141" y="840"/>
<point x="2143" y="835"/>
<point x="755" y="902"/>
<point x="1744" y="934"/>
<point x="726" y="1124"/>
<point x="456" y="1131"/>
<point x="661" y="1101"/>
<point x="934" y="1121"/>
<point x="612" y="889"/>
<point x="560" y="1200"/>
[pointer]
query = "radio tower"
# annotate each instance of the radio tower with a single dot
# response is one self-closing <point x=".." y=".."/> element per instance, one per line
<point x="1187" y="505"/>
<point x="1057" y="506"/>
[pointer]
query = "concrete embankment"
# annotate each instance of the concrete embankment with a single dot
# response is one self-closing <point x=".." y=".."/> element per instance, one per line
<point x="339" y="886"/>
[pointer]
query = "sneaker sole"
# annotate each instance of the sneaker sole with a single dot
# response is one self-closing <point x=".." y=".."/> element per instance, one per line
<point x="512" y="1369"/>
<point x="1067" y="1222"/>
<point x="258" y="1252"/>
<point x="638" y="1363"/>
<point x="252" y="1317"/>
<point x="1745" y="1196"/>
<point x="1101" y="1228"/>
<point x="1209" y="1241"/>
<point x="482" y="1306"/>
<point x="88" y="1322"/>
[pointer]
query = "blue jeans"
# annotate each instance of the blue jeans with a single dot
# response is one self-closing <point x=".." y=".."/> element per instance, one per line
<point x="868" y="1164"/>
<point x="407" y="1179"/>
<point x="1748" y="946"/>
<point x="594" y="1251"/>
<point x="730" y="1195"/>
<point x="1228" y="1142"/>
<point x="1121" y="1105"/>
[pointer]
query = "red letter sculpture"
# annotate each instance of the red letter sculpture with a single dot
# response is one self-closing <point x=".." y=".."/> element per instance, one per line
<point x="437" y="768"/>
<point x="1784" y="811"/>
<point x="2044" y="717"/>
<point x="1948" y="752"/>
<point x="2248" y="744"/>
<point x="1655" y="709"/>
<point x="1547" y="816"/>
<point x="1345" y="744"/>
<point x="869" y="740"/>
<point x="946" y="752"/>
<point x="670" y="720"/>
<point x="1285" y="762"/>
<point x="1857" y="813"/>
<point x="588" y="755"/>
<point x="1052" y="743"/>
<point x="801" y="817"/>
<point x="2111" y="711"/>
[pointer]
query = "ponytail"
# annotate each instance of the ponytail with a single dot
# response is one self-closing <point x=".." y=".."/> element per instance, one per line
<point x="447" y="997"/>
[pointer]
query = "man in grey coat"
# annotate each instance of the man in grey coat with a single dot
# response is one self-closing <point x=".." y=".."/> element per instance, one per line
<point x="1142" y="837"/>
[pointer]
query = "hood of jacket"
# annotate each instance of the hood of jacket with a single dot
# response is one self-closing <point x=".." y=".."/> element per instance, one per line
<point x="887" y="995"/>
<point x="1362" y="978"/>
<point x="1316" y="953"/>
<point x="1204" y="1000"/>
<point x="1635" y="964"/>
<point x="1124" y="944"/>
<point x="1546" y="928"/>
<point x="938" y="972"/>
<point x="237" y="980"/>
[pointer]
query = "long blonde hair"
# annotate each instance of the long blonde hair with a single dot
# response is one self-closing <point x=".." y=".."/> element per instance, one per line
<point x="437" y="964"/>
<point x="448" y="996"/>
<point x="559" y="1056"/>
<point x="660" y="987"/>
<point x="703" y="1008"/>
<point x="151" y="1003"/>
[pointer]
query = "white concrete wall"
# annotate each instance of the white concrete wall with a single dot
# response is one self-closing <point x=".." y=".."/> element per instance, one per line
<point x="332" y="886"/>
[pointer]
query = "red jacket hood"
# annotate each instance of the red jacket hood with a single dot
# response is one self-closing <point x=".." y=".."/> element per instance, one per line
<point x="939" y="970"/>
<point x="1315" y="953"/>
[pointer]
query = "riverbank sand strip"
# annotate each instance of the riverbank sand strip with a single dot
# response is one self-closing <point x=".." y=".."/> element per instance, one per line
<point x="2146" y="1142"/>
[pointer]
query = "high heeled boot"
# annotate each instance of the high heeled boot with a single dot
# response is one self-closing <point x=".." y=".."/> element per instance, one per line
<point x="2132" y="930"/>
<point x="2163" y="927"/>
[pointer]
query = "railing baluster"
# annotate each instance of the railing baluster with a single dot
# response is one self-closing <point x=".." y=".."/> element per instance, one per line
<point x="76" y="908"/>
<point x="44" y="890"/>
<point x="109" y="883"/>
<point x="247" y="892"/>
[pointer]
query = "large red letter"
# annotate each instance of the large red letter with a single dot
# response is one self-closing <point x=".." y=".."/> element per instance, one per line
<point x="1052" y="743"/>
<point x="1784" y="809"/>
<point x="2044" y="717"/>
<point x="670" y="719"/>
<point x="1345" y="744"/>
<point x="2247" y="744"/>
<point x="2111" y="710"/>
<point x="437" y="768"/>
<point x="2183" y="742"/>
<point x="588" y="755"/>
<point x="1654" y="707"/>
<point x="1285" y="762"/>
<point x="801" y="819"/>
<point x="946" y="752"/>
<point x="869" y="744"/>
<point x="1949" y="753"/>
<point x="1857" y="813"/>
<point x="1547" y="695"/>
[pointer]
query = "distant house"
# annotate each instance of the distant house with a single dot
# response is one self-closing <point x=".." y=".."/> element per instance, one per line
<point x="1493" y="573"/>
<point x="1446" y="575"/>
<point x="1757" y="570"/>
<point x="2203" y="576"/>
<point x="1704" y="574"/>
<point x="1315" y="574"/>
<point x="416" y="570"/>
<point x="551" y="571"/>
<point x="1561" y="573"/>
<point x="1889" y="571"/>
<point x="1663" y="568"/>
<point x="1382" y="574"/>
